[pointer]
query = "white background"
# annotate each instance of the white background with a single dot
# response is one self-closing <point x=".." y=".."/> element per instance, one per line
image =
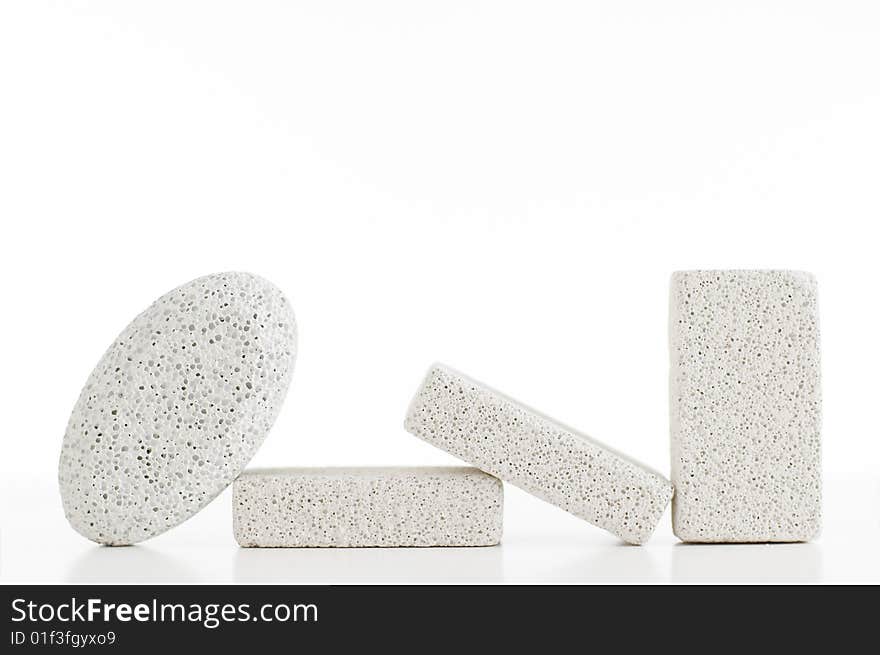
<point x="501" y="186"/>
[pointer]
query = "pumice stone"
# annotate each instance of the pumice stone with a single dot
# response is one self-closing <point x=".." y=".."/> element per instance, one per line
<point x="367" y="507"/>
<point x="745" y="406"/>
<point x="176" y="407"/>
<point x="519" y="445"/>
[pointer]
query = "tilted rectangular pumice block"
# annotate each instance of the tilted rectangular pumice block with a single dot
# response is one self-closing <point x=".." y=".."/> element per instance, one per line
<point x="367" y="507"/>
<point x="521" y="446"/>
<point x="745" y="406"/>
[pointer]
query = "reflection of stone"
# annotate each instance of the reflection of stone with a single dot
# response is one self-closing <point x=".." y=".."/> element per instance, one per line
<point x="537" y="454"/>
<point x="746" y="406"/>
<point x="620" y="564"/>
<point x="176" y="407"/>
<point x="136" y="565"/>
<point x="368" y="506"/>
<point x="750" y="563"/>
<point x="369" y="565"/>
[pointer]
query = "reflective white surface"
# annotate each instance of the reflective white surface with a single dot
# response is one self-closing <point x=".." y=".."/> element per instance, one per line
<point x="541" y="545"/>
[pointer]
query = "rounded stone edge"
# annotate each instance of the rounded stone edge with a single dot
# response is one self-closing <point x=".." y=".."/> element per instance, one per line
<point x="226" y="483"/>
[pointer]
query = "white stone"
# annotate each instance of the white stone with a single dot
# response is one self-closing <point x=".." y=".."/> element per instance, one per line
<point x="745" y="406"/>
<point x="521" y="446"/>
<point x="367" y="507"/>
<point x="176" y="407"/>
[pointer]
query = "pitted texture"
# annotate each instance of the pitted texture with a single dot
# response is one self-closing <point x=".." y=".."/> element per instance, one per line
<point x="745" y="406"/>
<point x="176" y="407"/>
<point x="367" y="507"/>
<point x="499" y="435"/>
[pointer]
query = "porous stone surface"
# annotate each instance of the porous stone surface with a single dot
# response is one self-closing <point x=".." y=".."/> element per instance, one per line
<point x="745" y="406"/>
<point x="367" y="507"/>
<point x="521" y="446"/>
<point x="176" y="407"/>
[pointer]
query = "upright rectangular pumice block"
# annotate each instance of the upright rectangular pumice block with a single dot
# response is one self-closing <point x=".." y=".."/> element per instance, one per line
<point x="367" y="507"/>
<point x="745" y="406"/>
<point x="549" y="460"/>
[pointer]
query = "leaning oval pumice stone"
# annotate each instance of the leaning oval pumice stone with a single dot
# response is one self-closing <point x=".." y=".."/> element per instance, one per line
<point x="176" y="407"/>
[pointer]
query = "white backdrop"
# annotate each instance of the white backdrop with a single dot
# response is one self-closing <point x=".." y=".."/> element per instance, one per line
<point x="501" y="186"/>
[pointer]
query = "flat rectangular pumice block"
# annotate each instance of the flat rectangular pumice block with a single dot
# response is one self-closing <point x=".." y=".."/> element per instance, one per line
<point x="745" y="406"/>
<point x="549" y="460"/>
<point x="367" y="507"/>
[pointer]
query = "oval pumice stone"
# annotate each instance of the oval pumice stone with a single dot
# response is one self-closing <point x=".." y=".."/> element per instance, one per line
<point x="176" y="407"/>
